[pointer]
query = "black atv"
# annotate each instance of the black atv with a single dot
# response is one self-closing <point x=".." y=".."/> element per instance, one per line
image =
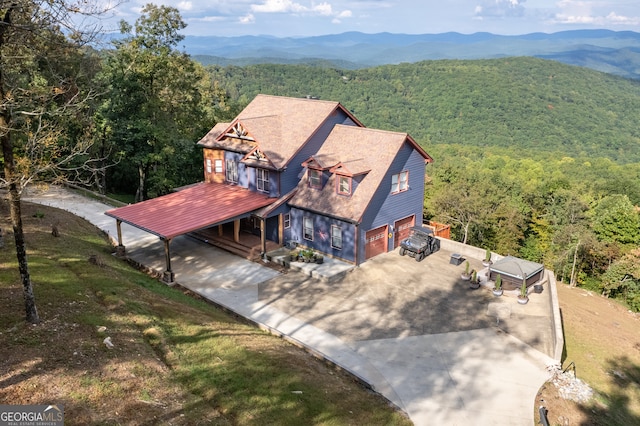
<point x="420" y="244"/>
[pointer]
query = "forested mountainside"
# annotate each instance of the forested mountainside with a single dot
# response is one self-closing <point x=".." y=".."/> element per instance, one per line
<point x="526" y="106"/>
<point x="533" y="158"/>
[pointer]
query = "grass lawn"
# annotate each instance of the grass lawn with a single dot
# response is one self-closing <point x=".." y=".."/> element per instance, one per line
<point x="175" y="358"/>
<point x="602" y="339"/>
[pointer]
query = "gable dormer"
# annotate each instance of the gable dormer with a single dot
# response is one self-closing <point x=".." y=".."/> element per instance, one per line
<point x="317" y="174"/>
<point x="346" y="180"/>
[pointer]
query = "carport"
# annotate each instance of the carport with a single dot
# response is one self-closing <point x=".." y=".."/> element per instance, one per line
<point x="195" y="207"/>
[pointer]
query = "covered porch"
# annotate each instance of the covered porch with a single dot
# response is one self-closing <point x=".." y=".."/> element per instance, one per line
<point x="200" y="207"/>
<point x="235" y="238"/>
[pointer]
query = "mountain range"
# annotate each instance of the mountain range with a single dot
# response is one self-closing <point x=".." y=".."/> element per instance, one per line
<point x="614" y="52"/>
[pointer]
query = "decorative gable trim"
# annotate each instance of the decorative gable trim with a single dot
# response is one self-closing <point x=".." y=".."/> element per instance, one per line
<point x="256" y="155"/>
<point x="238" y="131"/>
<point x="257" y="158"/>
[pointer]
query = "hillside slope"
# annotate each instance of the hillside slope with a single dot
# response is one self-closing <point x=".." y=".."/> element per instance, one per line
<point x="529" y="106"/>
<point x="601" y="339"/>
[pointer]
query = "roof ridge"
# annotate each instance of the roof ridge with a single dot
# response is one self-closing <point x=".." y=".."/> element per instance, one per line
<point x="299" y="98"/>
<point x="372" y="129"/>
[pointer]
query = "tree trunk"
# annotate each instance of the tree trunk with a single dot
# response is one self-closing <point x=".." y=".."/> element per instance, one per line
<point x="572" y="280"/>
<point x="141" y="178"/>
<point x="16" y="222"/>
<point x="21" y="254"/>
<point x="466" y="232"/>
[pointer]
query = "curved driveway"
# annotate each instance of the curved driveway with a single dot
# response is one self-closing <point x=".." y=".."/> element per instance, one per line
<point x="444" y="354"/>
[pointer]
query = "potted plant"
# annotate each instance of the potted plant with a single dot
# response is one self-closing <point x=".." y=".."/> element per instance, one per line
<point x="307" y="255"/>
<point x="475" y="282"/>
<point x="466" y="275"/>
<point x="487" y="258"/>
<point x="497" y="287"/>
<point x="293" y="255"/>
<point x="523" y="297"/>
<point x="319" y="258"/>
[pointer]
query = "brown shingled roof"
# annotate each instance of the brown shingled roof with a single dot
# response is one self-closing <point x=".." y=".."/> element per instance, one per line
<point x="279" y="125"/>
<point x="361" y="151"/>
<point x="209" y="140"/>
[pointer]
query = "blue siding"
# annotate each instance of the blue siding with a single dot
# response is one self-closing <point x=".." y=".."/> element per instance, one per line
<point x="272" y="229"/>
<point x="243" y="179"/>
<point x="293" y="173"/>
<point x="385" y="208"/>
<point x="322" y="234"/>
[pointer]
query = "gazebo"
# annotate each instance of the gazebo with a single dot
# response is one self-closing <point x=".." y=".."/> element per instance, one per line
<point x="513" y="270"/>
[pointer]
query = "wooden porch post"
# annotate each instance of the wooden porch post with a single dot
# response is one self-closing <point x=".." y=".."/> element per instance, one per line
<point x="120" y="249"/>
<point x="220" y="232"/>
<point x="168" y="276"/>
<point x="236" y="230"/>
<point x="263" y="235"/>
<point x="281" y="229"/>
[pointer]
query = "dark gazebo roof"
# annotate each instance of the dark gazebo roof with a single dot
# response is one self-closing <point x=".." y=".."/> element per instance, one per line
<point x="514" y="267"/>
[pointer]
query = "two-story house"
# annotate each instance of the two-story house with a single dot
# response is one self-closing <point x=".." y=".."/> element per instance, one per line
<point x="296" y="169"/>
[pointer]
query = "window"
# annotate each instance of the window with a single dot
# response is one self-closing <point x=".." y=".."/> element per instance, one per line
<point x="208" y="165"/>
<point x="218" y="166"/>
<point x="336" y="237"/>
<point x="315" y="179"/>
<point x="344" y="185"/>
<point x="262" y="180"/>
<point x="287" y="220"/>
<point x="232" y="171"/>
<point x="307" y="226"/>
<point x="400" y="182"/>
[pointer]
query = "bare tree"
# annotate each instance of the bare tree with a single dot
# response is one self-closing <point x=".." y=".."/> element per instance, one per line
<point x="42" y="91"/>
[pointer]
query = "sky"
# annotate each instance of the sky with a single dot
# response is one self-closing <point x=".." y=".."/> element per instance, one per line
<point x="299" y="18"/>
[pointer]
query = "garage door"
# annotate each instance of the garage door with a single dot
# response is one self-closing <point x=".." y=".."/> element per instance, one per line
<point x="403" y="229"/>
<point x="376" y="242"/>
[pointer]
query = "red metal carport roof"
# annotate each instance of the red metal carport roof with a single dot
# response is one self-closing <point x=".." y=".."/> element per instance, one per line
<point x="193" y="208"/>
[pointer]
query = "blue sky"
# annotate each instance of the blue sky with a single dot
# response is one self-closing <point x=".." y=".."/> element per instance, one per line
<point x="290" y="18"/>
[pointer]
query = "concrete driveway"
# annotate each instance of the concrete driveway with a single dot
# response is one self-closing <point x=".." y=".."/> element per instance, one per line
<point x="443" y="353"/>
<point x="450" y="354"/>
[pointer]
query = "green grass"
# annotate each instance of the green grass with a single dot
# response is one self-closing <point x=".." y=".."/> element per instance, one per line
<point x="176" y="358"/>
<point x="601" y="339"/>
<point x="123" y="198"/>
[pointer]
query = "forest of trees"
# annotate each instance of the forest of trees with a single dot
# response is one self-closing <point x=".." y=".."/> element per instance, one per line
<point x="532" y="157"/>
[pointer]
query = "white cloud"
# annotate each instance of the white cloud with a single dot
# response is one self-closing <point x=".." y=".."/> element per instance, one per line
<point x="289" y="6"/>
<point x="595" y="13"/>
<point x="185" y="5"/>
<point x="323" y="9"/>
<point x="500" y="8"/>
<point x="278" y="6"/>
<point x="247" y="19"/>
<point x="208" y="19"/>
